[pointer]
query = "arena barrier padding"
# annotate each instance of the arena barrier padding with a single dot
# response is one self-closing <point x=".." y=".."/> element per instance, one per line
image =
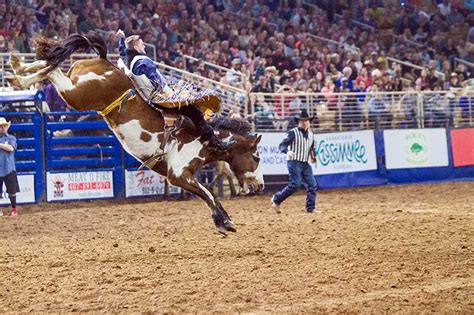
<point x="369" y="158"/>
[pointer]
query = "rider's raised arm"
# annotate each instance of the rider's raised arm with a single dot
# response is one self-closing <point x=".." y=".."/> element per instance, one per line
<point x="122" y="49"/>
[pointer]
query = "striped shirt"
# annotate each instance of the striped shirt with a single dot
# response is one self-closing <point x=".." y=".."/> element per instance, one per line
<point x="300" y="142"/>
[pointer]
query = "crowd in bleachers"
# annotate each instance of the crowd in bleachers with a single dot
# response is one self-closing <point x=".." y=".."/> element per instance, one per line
<point x="274" y="43"/>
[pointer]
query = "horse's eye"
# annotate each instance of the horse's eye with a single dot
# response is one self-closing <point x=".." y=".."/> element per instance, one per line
<point x="256" y="158"/>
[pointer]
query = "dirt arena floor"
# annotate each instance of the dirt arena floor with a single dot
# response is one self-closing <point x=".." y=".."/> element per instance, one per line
<point x="368" y="250"/>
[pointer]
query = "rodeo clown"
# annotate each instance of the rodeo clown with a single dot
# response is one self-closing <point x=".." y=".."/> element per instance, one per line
<point x="154" y="87"/>
<point x="299" y="148"/>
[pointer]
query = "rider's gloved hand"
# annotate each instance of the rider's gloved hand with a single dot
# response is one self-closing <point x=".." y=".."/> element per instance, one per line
<point x="120" y="33"/>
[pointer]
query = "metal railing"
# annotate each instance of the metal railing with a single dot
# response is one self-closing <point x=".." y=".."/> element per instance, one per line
<point x="241" y="77"/>
<point x="438" y="74"/>
<point x="234" y="100"/>
<point x="366" y="110"/>
<point x="339" y="44"/>
<point x="467" y="63"/>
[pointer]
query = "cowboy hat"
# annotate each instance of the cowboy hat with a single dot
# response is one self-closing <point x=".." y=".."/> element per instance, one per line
<point x="3" y="121"/>
<point x="303" y="116"/>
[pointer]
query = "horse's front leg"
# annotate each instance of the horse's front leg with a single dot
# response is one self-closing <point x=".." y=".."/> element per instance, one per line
<point x="21" y="67"/>
<point x="220" y="217"/>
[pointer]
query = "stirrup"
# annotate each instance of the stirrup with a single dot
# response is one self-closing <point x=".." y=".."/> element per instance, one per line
<point x="152" y="161"/>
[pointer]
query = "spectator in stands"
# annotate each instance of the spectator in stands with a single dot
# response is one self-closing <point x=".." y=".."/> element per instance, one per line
<point x="263" y="85"/>
<point x="445" y="8"/>
<point x="270" y="73"/>
<point x="7" y="165"/>
<point x="453" y="82"/>
<point x="408" y="106"/>
<point x="3" y="46"/>
<point x="435" y="108"/>
<point x="54" y="101"/>
<point x="232" y="76"/>
<point x="379" y="114"/>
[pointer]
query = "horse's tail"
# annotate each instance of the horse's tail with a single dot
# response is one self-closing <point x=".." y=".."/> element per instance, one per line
<point x="55" y="52"/>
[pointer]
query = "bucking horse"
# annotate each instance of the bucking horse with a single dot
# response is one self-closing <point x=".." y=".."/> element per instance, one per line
<point x="97" y="84"/>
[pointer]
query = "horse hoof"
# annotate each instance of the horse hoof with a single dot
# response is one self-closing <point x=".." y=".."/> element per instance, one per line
<point x="230" y="226"/>
<point x="13" y="81"/>
<point x="222" y="230"/>
<point x="15" y="64"/>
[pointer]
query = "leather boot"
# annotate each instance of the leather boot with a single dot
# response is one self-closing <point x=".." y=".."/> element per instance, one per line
<point x="215" y="143"/>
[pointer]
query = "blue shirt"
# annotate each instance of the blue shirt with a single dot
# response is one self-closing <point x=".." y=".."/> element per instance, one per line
<point x="143" y="66"/>
<point x="7" y="159"/>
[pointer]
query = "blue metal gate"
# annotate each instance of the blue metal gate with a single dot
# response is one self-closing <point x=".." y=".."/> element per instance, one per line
<point x="81" y="143"/>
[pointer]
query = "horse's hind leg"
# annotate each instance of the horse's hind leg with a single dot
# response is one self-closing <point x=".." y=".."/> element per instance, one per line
<point x="219" y="215"/>
<point x="26" y="81"/>
<point x="21" y="67"/>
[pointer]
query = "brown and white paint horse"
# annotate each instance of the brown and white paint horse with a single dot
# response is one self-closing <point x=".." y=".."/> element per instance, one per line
<point x="96" y="84"/>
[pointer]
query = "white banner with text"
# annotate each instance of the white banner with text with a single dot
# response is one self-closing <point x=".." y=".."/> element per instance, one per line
<point x="79" y="185"/>
<point x="146" y="183"/>
<point x="414" y="148"/>
<point x="345" y="152"/>
<point x="341" y="152"/>
<point x="27" y="190"/>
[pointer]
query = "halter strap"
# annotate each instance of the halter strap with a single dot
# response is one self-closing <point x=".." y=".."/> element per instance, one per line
<point x="118" y="102"/>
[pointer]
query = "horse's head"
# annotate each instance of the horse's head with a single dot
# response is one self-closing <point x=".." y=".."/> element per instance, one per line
<point x="244" y="161"/>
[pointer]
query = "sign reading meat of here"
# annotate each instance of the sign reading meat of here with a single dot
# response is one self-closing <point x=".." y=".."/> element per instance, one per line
<point x="146" y="183"/>
<point x="80" y="185"/>
<point x="462" y="141"/>
<point x="413" y="148"/>
<point x="345" y="152"/>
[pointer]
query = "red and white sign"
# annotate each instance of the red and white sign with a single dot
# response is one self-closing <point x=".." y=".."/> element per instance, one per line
<point x="146" y="183"/>
<point x="80" y="185"/>
<point x="27" y="190"/>
<point x="462" y="142"/>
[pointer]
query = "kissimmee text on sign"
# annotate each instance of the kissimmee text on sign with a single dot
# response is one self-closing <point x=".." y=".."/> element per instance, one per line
<point x="336" y="153"/>
<point x="345" y="152"/>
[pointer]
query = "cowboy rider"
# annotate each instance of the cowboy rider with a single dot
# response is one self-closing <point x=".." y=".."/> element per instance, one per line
<point x="148" y="77"/>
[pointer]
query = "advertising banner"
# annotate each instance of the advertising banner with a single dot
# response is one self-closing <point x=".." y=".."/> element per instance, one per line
<point x="273" y="162"/>
<point x="146" y="183"/>
<point x="414" y="148"/>
<point x="341" y="152"/>
<point x="79" y="185"/>
<point x="345" y="152"/>
<point x="27" y="190"/>
<point x="462" y="142"/>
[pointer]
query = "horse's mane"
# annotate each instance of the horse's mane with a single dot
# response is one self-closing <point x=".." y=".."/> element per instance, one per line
<point x="55" y="52"/>
<point x="236" y="125"/>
